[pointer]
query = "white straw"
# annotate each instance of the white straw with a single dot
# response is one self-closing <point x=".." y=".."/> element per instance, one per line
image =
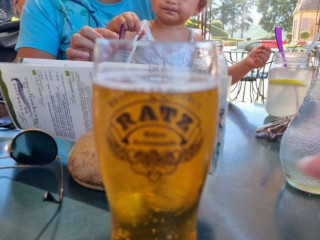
<point x="143" y="26"/>
<point x="313" y="43"/>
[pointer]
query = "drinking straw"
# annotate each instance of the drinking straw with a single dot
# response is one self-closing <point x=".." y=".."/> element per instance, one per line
<point x="143" y="26"/>
<point x="121" y="31"/>
<point x="313" y="43"/>
<point x="278" y="33"/>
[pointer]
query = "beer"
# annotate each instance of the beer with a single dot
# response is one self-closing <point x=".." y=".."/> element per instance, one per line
<point x="155" y="142"/>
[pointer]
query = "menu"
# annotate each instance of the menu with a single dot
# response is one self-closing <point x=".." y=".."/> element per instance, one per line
<point x="52" y="95"/>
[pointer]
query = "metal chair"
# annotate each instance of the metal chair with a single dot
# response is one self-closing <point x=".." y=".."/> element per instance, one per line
<point x="252" y="86"/>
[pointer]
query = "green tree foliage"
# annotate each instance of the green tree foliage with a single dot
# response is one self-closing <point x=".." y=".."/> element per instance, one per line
<point x="218" y="32"/>
<point x="270" y="36"/>
<point x="276" y="13"/>
<point x="305" y="35"/>
<point x="192" y="23"/>
<point x="245" y="15"/>
<point x="218" y="24"/>
<point x="289" y="37"/>
<point x="234" y="14"/>
<point x="226" y="12"/>
<point x="217" y="29"/>
<point x="223" y="10"/>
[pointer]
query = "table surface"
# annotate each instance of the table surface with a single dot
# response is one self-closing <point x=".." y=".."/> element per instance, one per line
<point x="245" y="198"/>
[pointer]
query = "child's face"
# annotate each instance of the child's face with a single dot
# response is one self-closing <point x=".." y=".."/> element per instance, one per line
<point x="174" y="12"/>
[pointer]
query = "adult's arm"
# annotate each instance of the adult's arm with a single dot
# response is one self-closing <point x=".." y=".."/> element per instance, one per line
<point x="82" y="42"/>
<point x="17" y="5"/>
<point x="39" y="33"/>
<point x="33" y="53"/>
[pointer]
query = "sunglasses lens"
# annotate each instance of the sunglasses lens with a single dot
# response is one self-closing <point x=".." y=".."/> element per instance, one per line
<point x="34" y="147"/>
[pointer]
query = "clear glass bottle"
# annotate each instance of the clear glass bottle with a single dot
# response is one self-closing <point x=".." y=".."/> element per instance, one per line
<point x="289" y="80"/>
<point x="222" y="61"/>
<point x="302" y="138"/>
<point x="225" y="84"/>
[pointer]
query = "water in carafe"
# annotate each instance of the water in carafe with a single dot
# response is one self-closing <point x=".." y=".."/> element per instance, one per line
<point x="302" y="138"/>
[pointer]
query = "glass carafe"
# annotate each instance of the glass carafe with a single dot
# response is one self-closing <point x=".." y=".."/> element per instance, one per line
<point x="302" y="138"/>
<point x="289" y="80"/>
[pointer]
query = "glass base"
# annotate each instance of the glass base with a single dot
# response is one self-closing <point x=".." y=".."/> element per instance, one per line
<point x="304" y="188"/>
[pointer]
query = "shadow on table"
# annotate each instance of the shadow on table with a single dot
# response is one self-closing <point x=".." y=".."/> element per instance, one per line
<point x="47" y="178"/>
<point x="237" y="116"/>
<point x="48" y="223"/>
<point x="204" y="231"/>
<point x="268" y="150"/>
<point x="297" y="214"/>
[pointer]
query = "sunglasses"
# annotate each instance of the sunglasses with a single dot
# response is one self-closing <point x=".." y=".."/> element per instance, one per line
<point x="33" y="148"/>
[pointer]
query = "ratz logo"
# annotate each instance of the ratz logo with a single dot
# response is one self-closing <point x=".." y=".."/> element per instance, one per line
<point x="155" y="137"/>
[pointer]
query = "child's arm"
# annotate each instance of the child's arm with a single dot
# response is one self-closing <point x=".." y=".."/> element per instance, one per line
<point x="257" y="58"/>
<point x="131" y="22"/>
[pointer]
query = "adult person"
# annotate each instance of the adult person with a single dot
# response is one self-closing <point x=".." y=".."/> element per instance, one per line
<point x="47" y="25"/>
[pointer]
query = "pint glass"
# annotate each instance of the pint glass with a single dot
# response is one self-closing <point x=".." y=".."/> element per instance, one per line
<point x="155" y="130"/>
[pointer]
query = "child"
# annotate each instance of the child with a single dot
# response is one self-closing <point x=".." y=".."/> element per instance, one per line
<point x="169" y="25"/>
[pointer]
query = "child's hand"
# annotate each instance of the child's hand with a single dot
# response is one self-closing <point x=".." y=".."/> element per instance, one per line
<point x="130" y="20"/>
<point x="258" y="57"/>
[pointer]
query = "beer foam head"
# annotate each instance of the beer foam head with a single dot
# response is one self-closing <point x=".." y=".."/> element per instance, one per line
<point x="152" y="78"/>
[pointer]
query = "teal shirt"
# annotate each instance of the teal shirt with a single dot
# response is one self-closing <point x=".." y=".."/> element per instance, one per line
<point x="48" y="25"/>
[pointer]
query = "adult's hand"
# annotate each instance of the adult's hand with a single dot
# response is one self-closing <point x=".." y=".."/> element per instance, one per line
<point x="17" y="5"/>
<point x="82" y="43"/>
<point x="310" y="165"/>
